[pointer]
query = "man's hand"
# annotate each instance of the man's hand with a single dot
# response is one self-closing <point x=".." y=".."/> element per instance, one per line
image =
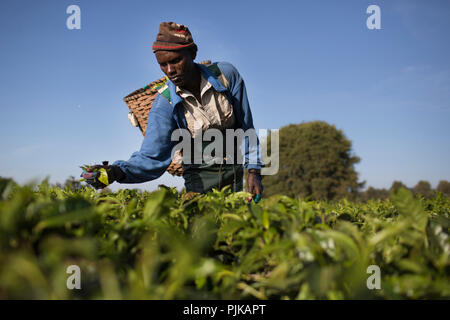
<point x="254" y="184"/>
<point x="100" y="176"/>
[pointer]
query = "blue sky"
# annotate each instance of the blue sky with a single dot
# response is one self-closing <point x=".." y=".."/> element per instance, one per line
<point x="61" y="90"/>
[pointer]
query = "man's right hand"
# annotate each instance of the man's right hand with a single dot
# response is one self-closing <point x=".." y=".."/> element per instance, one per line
<point x="100" y="176"/>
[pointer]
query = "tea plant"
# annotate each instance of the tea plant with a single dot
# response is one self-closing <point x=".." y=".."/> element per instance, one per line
<point x="140" y="245"/>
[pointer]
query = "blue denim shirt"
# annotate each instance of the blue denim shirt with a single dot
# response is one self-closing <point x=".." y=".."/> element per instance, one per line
<point x="155" y="155"/>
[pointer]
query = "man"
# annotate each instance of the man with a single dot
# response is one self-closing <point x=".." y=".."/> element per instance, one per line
<point x="195" y="98"/>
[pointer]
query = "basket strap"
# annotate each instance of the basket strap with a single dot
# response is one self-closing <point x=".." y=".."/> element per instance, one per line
<point x="165" y="91"/>
<point x="213" y="68"/>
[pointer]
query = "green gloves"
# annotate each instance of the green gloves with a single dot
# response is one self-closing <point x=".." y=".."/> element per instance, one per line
<point x="100" y="176"/>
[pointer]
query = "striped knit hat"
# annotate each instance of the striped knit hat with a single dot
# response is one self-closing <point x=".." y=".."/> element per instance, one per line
<point x="172" y="37"/>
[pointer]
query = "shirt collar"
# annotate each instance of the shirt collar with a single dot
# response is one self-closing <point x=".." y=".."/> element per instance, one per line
<point x="216" y="84"/>
<point x="205" y="85"/>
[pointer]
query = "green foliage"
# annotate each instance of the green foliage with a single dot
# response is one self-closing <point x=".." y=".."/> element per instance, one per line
<point x="373" y="194"/>
<point x="396" y="185"/>
<point x="444" y="187"/>
<point x="315" y="161"/>
<point x="140" y="245"/>
<point x="423" y="188"/>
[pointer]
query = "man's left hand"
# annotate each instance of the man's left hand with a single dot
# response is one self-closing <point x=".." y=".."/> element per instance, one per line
<point x="254" y="183"/>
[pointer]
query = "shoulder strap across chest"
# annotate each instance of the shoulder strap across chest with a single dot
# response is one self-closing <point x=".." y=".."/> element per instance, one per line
<point x="164" y="90"/>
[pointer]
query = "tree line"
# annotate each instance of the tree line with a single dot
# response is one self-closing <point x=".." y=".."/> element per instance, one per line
<point x="317" y="162"/>
<point x="422" y="188"/>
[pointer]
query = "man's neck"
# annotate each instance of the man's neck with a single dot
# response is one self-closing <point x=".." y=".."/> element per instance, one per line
<point x="193" y="84"/>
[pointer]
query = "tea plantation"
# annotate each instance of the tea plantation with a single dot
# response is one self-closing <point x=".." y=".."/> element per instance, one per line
<point x="140" y="245"/>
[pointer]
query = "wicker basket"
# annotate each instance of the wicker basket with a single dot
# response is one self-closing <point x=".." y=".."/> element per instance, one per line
<point x="140" y="102"/>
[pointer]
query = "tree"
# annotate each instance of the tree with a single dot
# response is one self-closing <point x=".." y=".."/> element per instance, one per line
<point x="374" y="194"/>
<point x="4" y="184"/>
<point x="315" y="160"/>
<point x="397" y="185"/>
<point x="70" y="183"/>
<point x="444" y="187"/>
<point x="423" y="188"/>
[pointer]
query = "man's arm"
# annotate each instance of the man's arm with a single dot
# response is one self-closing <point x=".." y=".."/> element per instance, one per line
<point x="243" y="113"/>
<point x="155" y="155"/>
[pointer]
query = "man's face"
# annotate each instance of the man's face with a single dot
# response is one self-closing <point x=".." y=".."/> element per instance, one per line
<point x="178" y="66"/>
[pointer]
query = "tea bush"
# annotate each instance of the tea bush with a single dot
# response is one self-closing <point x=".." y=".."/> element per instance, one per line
<point x="140" y="245"/>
